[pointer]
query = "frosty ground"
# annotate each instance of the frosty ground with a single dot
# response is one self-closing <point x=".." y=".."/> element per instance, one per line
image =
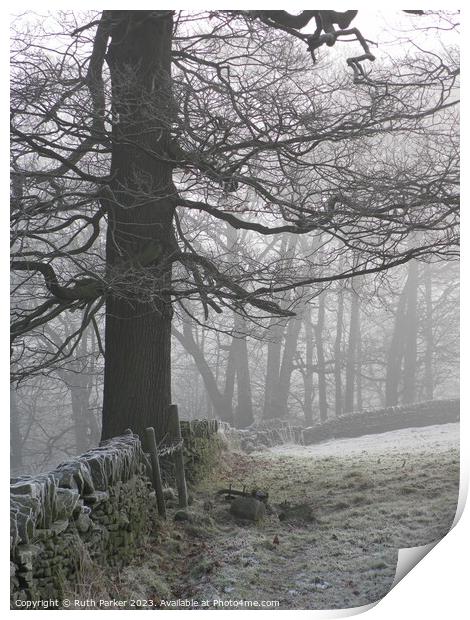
<point x="370" y="496"/>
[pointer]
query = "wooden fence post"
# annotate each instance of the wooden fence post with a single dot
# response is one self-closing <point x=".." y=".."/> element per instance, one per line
<point x="175" y="435"/>
<point x="151" y="446"/>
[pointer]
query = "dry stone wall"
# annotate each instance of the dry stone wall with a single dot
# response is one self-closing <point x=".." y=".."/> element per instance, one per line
<point x="202" y="447"/>
<point x="373" y="421"/>
<point x="268" y="433"/>
<point x="96" y="507"/>
<point x="262" y="435"/>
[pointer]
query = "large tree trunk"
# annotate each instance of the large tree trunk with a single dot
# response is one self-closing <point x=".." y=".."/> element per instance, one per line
<point x="140" y="206"/>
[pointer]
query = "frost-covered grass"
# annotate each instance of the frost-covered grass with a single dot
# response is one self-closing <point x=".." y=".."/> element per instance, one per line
<point x="370" y="496"/>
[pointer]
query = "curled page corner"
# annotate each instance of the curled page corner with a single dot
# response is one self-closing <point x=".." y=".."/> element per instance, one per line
<point x="353" y="611"/>
<point x="345" y="612"/>
<point x="408" y="557"/>
<point x="463" y="494"/>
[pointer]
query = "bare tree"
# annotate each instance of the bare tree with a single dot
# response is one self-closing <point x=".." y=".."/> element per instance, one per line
<point x="136" y="119"/>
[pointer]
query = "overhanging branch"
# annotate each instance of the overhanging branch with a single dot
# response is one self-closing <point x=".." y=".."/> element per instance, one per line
<point x="242" y="224"/>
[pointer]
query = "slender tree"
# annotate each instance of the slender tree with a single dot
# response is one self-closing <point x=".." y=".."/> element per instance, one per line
<point x="410" y="352"/>
<point x="308" y="371"/>
<point x="352" y="356"/>
<point x="338" y="353"/>
<point x="16" y="440"/>
<point x="428" y="334"/>
<point x="321" y="369"/>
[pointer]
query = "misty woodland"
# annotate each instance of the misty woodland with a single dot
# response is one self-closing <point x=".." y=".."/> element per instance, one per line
<point x="234" y="304"/>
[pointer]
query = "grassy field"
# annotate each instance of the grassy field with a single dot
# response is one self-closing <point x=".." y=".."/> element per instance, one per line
<point x="366" y="498"/>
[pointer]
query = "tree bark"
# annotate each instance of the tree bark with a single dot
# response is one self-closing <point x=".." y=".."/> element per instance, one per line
<point x="140" y="240"/>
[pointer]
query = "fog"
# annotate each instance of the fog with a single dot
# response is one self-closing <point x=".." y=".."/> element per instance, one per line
<point x="250" y="219"/>
<point x="311" y="276"/>
<point x="377" y="342"/>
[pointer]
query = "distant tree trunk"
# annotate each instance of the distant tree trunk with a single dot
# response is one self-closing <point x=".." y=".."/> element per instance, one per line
<point x="338" y="362"/>
<point x="272" y="408"/>
<point x="402" y="356"/>
<point x="95" y="428"/>
<point x="222" y="403"/>
<point x="411" y="335"/>
<point x="396" y="350"/>
<point x="239" y="350"/>
<point x="140" y="238"/>
<point x="428" y="335"/>
<point x="322" y="398"/>
<point x="359" y="404"/>
<point x="351" y="360"/>
<point x="229" y="388"/>
<point x="244" y="409"/>
<point x="79" y="384"/>
<point x="79" y="396"/>
<point x="273" y="364"/>
<point x="16" y="441"/>
<point x="287" y="366"/>
<point x="79" y="380"/>
<point x="308" y="370"/>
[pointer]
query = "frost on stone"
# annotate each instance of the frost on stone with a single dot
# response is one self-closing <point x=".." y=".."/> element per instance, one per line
<point x="38" y="502"/>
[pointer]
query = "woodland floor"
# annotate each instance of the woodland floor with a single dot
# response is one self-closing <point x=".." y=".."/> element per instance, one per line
<point x="370" y="496"/>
